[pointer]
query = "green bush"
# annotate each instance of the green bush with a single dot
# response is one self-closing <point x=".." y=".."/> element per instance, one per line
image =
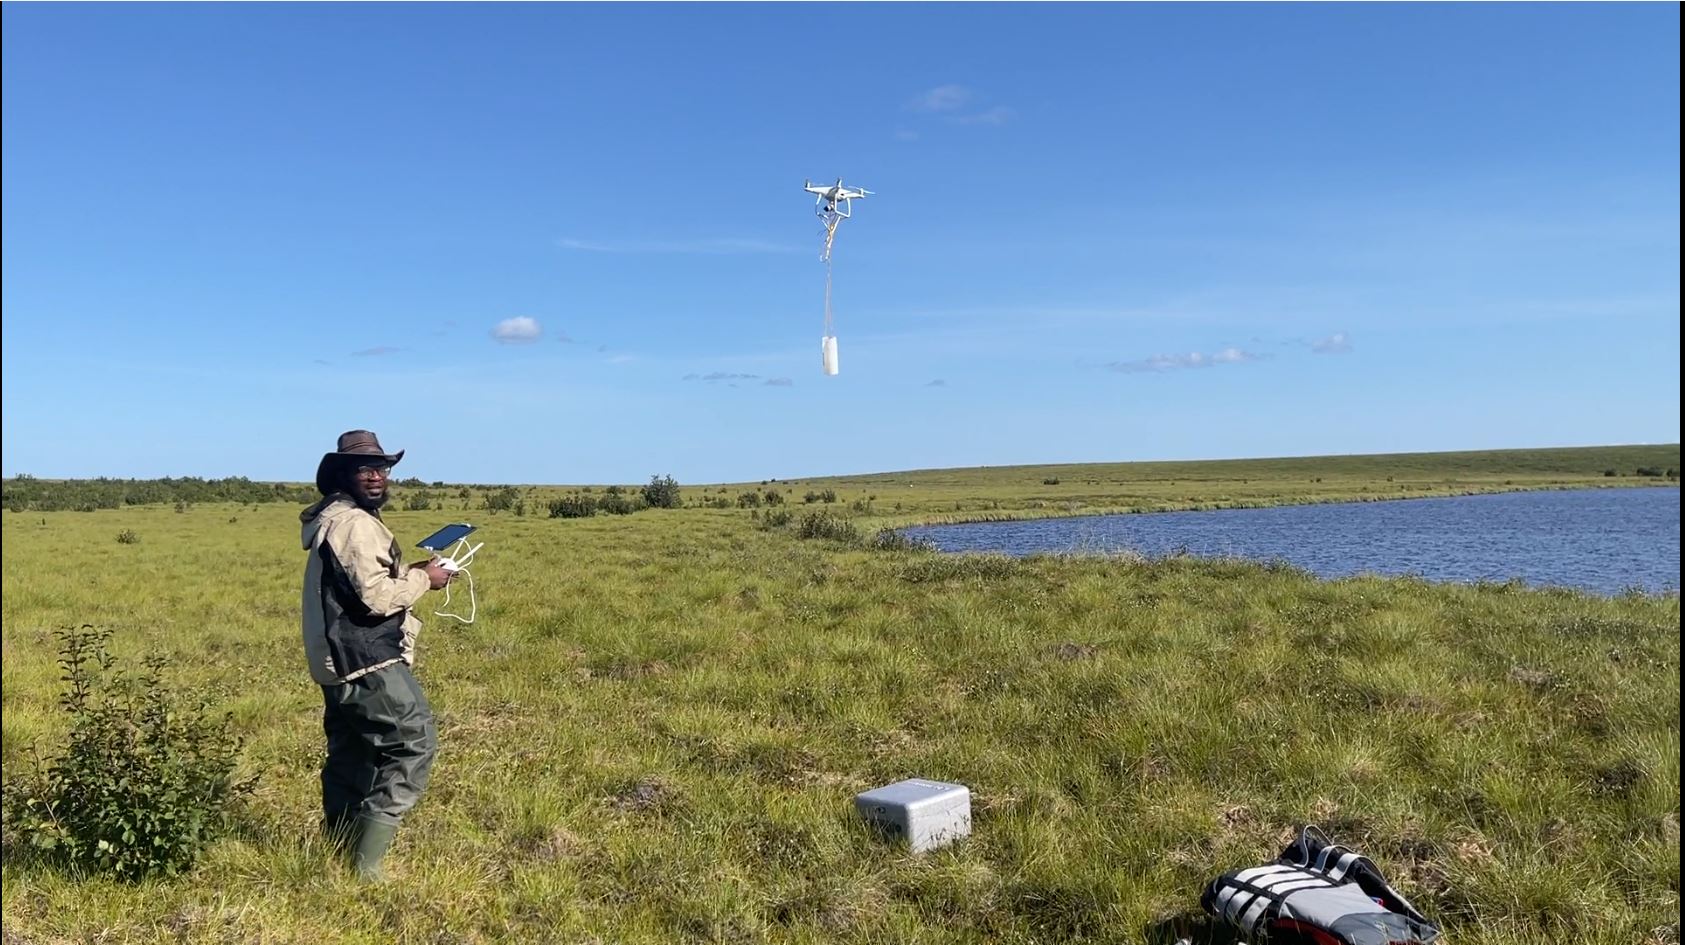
<point x="826" y="525"/>
<point x="146" y="780"/>
<point x="662" y="493"/>
<point x="772" y="497"/>
<point x="616" y="503"/>
<point x="775" y="518"/>
<point x="419" y="502"/>
<point x="573" y="506"/>
<point x="888" y="539"/>
<point x="749" y="500"/>
<point x="128" y="537"/>
<point x="503" y="500"/>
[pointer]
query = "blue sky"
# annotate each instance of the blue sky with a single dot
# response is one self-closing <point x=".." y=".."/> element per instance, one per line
<point x="534" y="243"/>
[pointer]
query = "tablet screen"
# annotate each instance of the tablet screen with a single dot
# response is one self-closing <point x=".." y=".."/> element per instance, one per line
<point x="445" y="537"/>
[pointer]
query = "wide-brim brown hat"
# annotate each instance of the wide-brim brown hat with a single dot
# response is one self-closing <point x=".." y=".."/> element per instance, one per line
<point x="358" y="447"/>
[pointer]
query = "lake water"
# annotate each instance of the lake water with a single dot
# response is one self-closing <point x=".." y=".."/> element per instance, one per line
<point x="1600" y="540"/>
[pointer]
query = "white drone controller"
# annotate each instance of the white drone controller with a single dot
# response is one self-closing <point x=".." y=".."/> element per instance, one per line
<point x="457" y="555"/>
<point x="455" y="564"/>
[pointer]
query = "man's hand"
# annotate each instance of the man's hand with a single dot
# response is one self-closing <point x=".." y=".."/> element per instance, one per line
<point x="437" y="577"/>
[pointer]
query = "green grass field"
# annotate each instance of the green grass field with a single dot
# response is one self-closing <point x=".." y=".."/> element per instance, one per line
<point x="655" y="729"/>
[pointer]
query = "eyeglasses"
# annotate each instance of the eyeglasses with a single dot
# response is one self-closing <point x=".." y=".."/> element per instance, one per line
<point x="374" y="472"/>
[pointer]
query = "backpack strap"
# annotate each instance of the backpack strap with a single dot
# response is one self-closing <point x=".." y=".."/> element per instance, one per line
<point x="1314" y="852"/>
<point x="1248" y="899"/>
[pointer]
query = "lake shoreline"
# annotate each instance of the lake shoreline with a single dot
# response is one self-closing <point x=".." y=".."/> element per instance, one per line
<point x="1031" y="515"/>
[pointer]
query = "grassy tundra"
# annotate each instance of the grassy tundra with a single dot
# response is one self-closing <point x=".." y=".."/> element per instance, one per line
<point x="653" y="732"/>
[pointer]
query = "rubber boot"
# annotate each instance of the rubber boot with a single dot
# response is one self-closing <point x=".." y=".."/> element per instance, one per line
<point x="368" y="847"/>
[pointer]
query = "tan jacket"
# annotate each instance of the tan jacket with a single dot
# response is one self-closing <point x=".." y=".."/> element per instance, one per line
<point x="357" y="593"/>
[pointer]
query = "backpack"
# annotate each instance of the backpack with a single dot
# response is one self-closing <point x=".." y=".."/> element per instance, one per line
<point x="1317" y="893"/>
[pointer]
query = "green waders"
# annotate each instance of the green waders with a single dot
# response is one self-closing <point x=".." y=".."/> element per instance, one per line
<point x="381" y="743"/>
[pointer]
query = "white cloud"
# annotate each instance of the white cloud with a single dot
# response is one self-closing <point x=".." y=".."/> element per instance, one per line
<point x="1337" y="343"/>
<point x="519" y="330"/>
<point x="722" y="376"/>
<point x="956" y="104"/>
<point x="943" y="98"/>
<point x="702" y="247"/>
<point x="937" y="383"/>
<point x="1162" y="363"/>
<point x="999" y="115"/>
<point x="376" y="351"/>
<point x="780" y="382"/>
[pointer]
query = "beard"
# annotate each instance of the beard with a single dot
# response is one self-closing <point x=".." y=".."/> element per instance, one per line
<point x="365" y="501"/>
<point x="369" y="504"/>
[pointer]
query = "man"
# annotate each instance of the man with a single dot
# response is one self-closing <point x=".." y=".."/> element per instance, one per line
<point x="359" y="638"/>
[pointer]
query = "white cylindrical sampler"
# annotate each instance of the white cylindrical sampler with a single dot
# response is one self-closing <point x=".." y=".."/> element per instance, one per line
<point x="828" y="353"/>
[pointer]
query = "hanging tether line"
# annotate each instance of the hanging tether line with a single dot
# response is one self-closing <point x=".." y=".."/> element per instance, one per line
<point x="828" y="330"/>
<point x="831" y="219"/>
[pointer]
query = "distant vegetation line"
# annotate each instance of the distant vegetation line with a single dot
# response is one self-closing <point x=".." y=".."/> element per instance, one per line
<point x="1529" y="469"/>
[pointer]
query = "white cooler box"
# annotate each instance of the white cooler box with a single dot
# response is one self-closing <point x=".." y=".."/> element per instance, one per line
<point x="926" y="814"/>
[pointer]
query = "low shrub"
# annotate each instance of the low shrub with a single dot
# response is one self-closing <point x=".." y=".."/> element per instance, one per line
<point x="662" y="493"/>
<point x="828" y="526"/>
<point x="888" y="539"/>
<point x="573" y="506"/>
<point x="146" y="780"/>
<point x="616" y="503"/>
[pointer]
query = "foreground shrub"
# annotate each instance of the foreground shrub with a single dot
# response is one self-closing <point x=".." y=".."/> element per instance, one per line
<point x="775" y="518"/>
<point x="502" y="500"/>
<point x="662" y="493"/>
<point x="146" y="780"/>
<point x="826" y="525"/>
<point x="573" y="506"/>
<point x="615" y="503"/>
<point x="128" y="537"/>
<point x="888" y="539"/>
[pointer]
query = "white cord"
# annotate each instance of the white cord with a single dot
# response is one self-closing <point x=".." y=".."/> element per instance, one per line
<point x="462" y="568"/>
